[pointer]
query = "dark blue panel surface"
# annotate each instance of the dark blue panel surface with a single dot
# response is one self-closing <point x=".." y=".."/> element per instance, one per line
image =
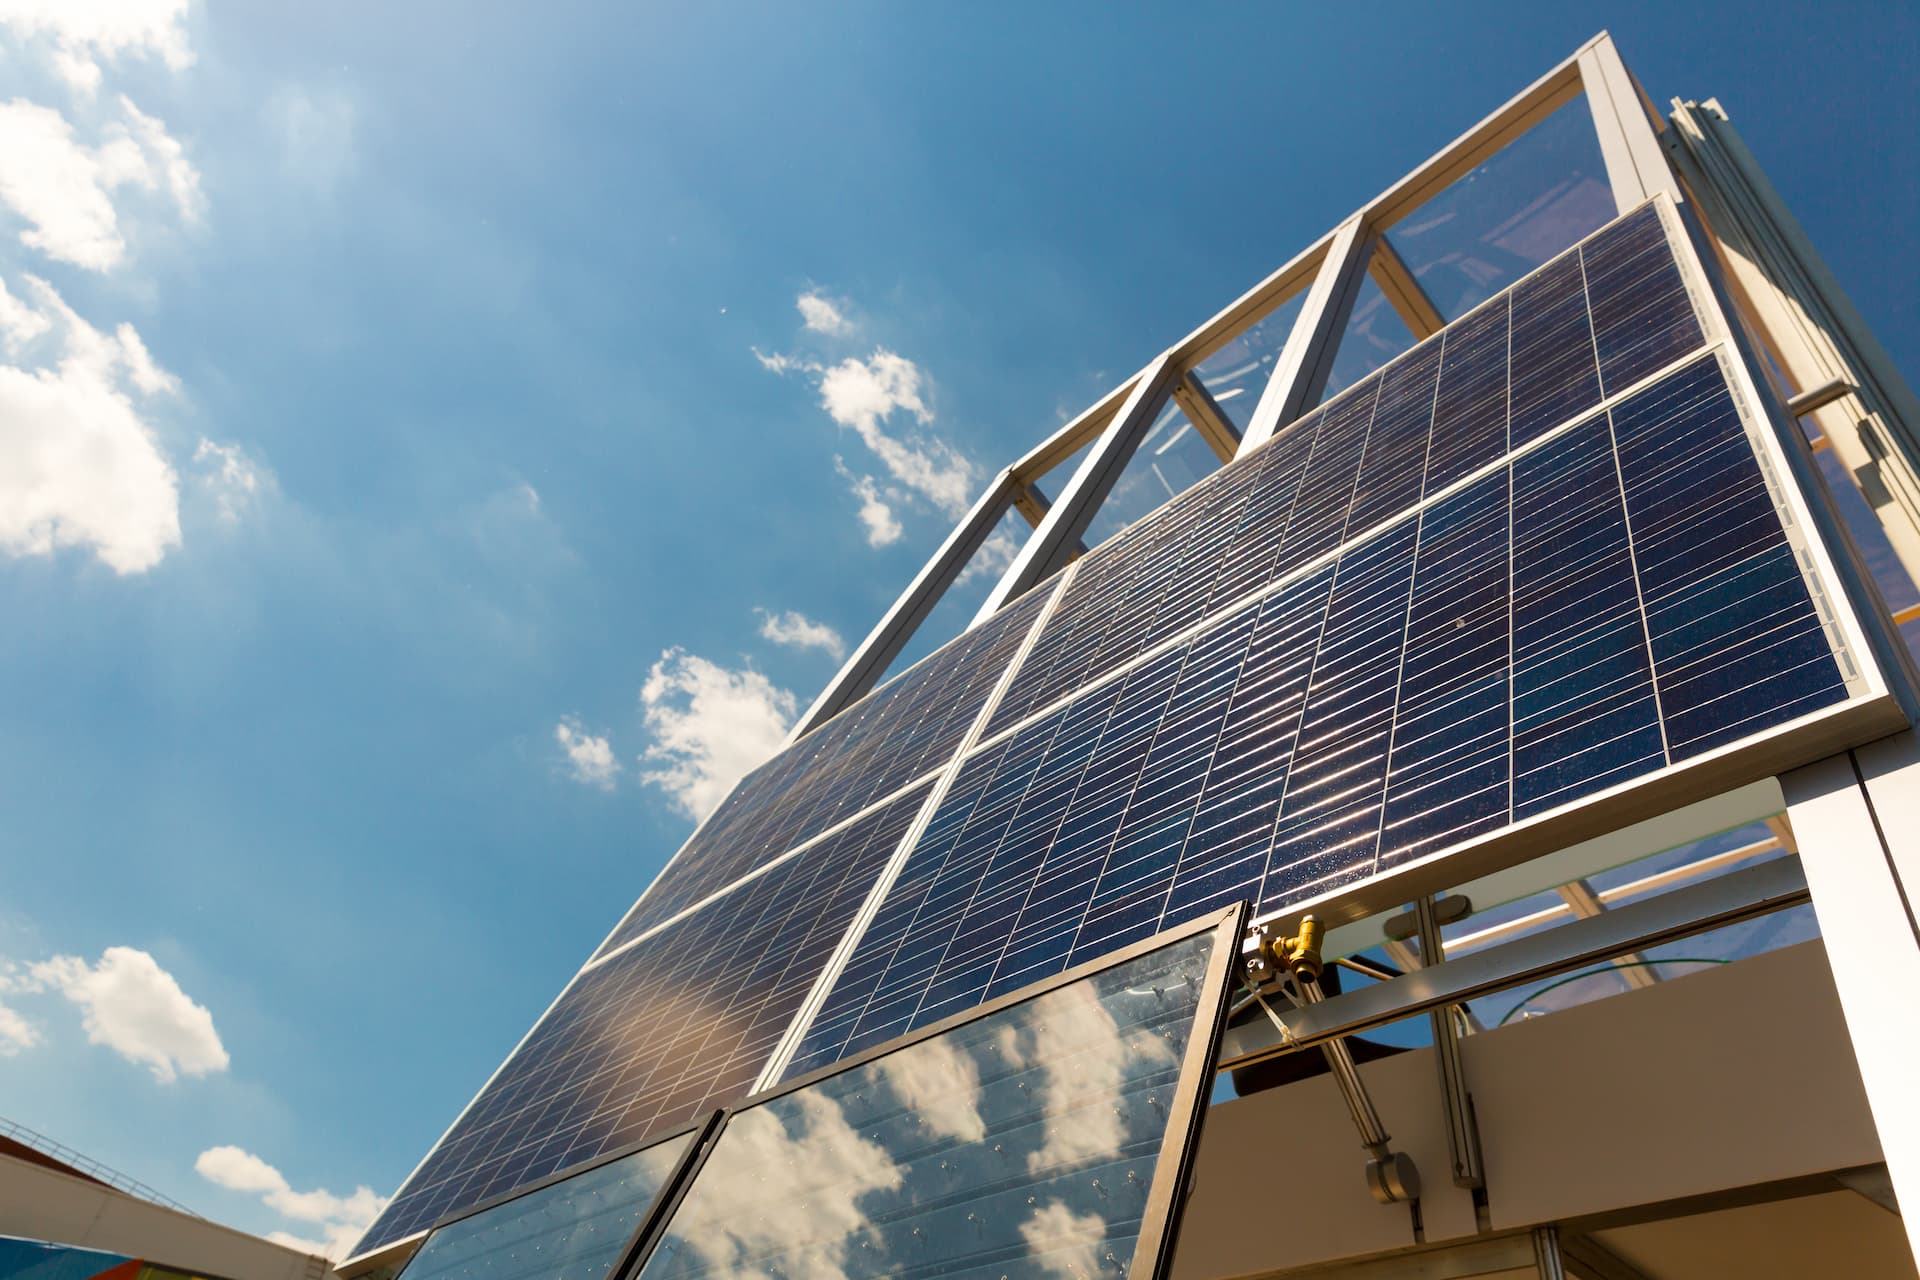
<point x="1736" y="640"/>
<point x="1554" y="375"/>
<point x="1642" y="317"/>
<point x="900" y="732"/>
<point x="1470" y="409"/>
<point x="1584" y="714"/>
<point x="680" y="1022"/>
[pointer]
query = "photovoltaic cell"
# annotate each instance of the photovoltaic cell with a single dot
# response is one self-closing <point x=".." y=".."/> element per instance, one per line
<point x="898" y="733"/>
<point x="1594" y="321"/>
<point x="641" y="1044"/>
<point x="1488" y="657"/>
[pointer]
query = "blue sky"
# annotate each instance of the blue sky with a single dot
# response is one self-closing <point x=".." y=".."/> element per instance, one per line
<point x="419" y="423"/>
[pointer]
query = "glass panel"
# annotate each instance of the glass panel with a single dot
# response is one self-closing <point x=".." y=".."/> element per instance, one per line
<point x="1530" y="200"/>
<point x="1022" y="1144"/>
<point x="1375" y="334"/>
<point x="575" y="1229"/>
<point x="1237" y="373"/>
<point x="1170" y="460"/>
<point x="33" y="1260"/>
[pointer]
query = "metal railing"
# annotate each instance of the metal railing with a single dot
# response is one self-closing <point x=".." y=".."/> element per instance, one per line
<point x="88" y="1165"/>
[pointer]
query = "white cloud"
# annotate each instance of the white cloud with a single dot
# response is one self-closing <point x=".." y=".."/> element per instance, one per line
<point x="79" y="464"/>
<point x="82" y="32"/>
<point x="229" y="475"/>
<point x="342" y="1219"/>
<point x="20" y="323"/>
<point x="882" y="526"/>
<point x="134" y="1007"/>
<point x="797" y="630"/>
<point x="864" y="394"/>
<point x="995" y="556"/>
<point x="780" y="363"/>
<point x="16" y="1033"/>
<point x="821" y="314"/>
<point x="64" y="188"/>
<point x="1066" y="1243"/>
<point x="710" y="726"/>
<point x="589" y="757"/>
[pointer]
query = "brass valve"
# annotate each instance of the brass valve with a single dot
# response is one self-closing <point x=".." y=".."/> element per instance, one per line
<point x="1272" y="954"/>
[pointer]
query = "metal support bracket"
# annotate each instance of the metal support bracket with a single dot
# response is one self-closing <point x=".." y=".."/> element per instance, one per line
<point x="1269" y="959"/>
<point x="1463" y="1134"/>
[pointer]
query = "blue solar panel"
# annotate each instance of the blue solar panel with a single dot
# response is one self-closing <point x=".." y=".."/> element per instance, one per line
<point x="897" y="734"/>
<point x="1594" y="321"/>
<point x="642" y="1043"/>
<point x="1582" y="616"/>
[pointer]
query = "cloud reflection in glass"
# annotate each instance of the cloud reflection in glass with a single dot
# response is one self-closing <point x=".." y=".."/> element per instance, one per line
<point x="1020" y="1144"/>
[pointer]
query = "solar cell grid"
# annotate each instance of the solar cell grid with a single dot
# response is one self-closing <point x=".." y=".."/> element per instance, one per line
<point x="1482" y="659"/>
<point x="1518" y="366"/>
<point x="682" y="1021"/>
<point x="898" y="733"/>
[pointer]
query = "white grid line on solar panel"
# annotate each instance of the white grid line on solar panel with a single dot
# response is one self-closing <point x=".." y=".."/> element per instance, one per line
<point x="1337" y="470"/>
<point x="1000" y="727"/>
<point x="795" y="809"/>
<point x="1048" y="596"/>
<point x="638" y="1047"/>
<point x="1400" y="790"/>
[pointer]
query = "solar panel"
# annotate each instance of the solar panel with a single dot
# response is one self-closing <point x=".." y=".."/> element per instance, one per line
<point x="578" y="1227"/>
<point x="681" y="1021"/>
<point x="1051" y="1136"/>
<point x="1618" y="597"/>
<point x="896" y="735"/>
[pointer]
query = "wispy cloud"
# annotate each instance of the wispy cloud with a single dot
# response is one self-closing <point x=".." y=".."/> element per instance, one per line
<point x="81" y="33"/>
<point x="865" y="394"/>
<point x="822" y="314"/>
<point x="795" y="630"/>
<point x="710" y="725"/>
<point x="876" y="515"/>
<point x="883" y="399"/>
<point x="995" y="556"/>
<point x="63" y="188"/>
<point x="229" y="476"/>
<point x="134" y="1007"/>
<point x="342" y="1219"/>
<point x="80" y="465"/>
<point x="589" y="756"/>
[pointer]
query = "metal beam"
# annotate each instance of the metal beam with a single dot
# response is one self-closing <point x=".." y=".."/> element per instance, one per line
<point x="1390" y="271"/>
<point x="1214" y="426"/>
<point x="863" y="669"/>
<point x="1301" y="371"/>
<point x="1806" y="320"/>
<point x="1864" y="872"/>
<point x="1586" y="904"/>
<point x="1053" y="543"/>
<point x="1636" y="165"/>
<point x="1682" y="913"/>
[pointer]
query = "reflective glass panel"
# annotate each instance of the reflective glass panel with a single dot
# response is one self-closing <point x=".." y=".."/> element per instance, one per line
<point x="1171" y="459"/>
<point x="1237" y="373"/>
<point x="1375" y="334"/>
<point x="1530" y="200"/>
<point x="1022" y="1144"/>
<point x="574" y="1229"/>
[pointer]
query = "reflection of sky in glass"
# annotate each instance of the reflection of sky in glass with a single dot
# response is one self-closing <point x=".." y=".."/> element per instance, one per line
<point x="1022" y="1144"/>
<point x="1375" y="334"/>
<point x="1171" y="459"/>
<point x="1530" y="200"/>
<point x="1864" y="525"/>
<point x="572" y="1230"/>
<point x="1237" y="373"/>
